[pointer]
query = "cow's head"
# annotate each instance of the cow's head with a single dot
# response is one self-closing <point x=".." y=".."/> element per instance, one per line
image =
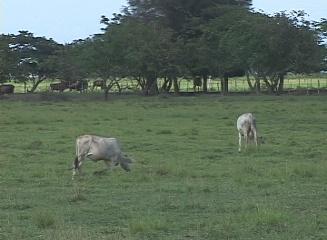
<point x="125" y="161"/>
<point x="261" y="140"/>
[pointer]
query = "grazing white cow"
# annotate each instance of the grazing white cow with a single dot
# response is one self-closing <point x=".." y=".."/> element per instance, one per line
<point x="99" y="148"/>
<point x="246" y="126"/>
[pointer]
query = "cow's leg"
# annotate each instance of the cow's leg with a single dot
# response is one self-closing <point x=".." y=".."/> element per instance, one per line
<point x="246" y="137"/>
<point x="255" y="138"/>
<point x="239" y="141"/>
<point x="108" y="168"/>
<point x="108" y="164"/>
<point x="114" y="161"/>
<point x="77" y="165"/>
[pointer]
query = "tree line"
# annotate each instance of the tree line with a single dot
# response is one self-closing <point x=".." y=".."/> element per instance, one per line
<point x="173" y="39"/>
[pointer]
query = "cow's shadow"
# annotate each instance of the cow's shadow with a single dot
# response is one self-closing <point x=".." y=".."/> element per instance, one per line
<point x="101" y="172"/>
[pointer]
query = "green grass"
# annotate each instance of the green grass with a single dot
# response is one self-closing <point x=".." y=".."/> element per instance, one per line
<point x="188" y="181"/>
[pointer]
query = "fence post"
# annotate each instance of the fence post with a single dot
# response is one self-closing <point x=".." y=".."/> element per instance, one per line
<point x="243" y="85"/>
<point x="235" y="85"/>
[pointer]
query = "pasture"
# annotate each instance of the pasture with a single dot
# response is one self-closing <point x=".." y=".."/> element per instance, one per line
<point x="188" y="181"/>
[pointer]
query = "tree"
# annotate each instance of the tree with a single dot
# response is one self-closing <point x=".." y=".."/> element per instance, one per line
<point x="71" y="61"/>
<point x="187" y="21"/>
<point x="202" y="34"/>
<point x="6" y="58"/>
<point x="32" y="58"/>
<point x="179" y="14"/>
<point x="268" y="47"/>
<point x="141" y="50"/>
<point x="220" y="61"/>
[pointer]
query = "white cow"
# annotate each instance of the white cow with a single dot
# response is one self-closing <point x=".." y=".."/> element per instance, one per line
<point x="246" y="126"/>
<point x="99" y="148"/>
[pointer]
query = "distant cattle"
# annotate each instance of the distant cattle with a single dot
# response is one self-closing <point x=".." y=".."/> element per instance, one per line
<point x="197" y="83"/>
<point x="99" y="83"/>
<point x="61" y="86"/>
<point x="80" y="85"/>
<point x="246" y="126"/>
<point x="7" y="88"/>
<point x="98" y="148"/>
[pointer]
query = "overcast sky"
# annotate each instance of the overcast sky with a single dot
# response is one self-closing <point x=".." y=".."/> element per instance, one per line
<point x="316" y="9"/>
<point x="67" y="20"/>
<point x="62" y="20"/>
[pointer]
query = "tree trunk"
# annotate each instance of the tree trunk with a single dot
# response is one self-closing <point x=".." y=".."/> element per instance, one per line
<point x="224" y="84"/>
<point x="25" y="87"/>
<point x="205" y="83"/>
<point x="197" y="82"/>
<point x="163" y="88"/>
<point x="281" y="83"/>
<point x="166" y="86"/>
<point x="257" y="86"/>
<point x="36" y="84"/>
<point x="118" y="86"/>
<point x="106" y="93"/>
<point x="107" y="88"/>
<point x="170" y="84"/>
<point x="176" y="86"/>
<point x="151" y="85"/>
<point x="268" y="84"/>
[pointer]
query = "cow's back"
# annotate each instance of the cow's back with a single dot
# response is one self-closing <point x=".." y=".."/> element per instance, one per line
<point x="97" y="148"/>
<point x="104" y="148"/>
<point x="6" y="88"/>
<point x="246" y="121"/>
<point x="61" y="86"/>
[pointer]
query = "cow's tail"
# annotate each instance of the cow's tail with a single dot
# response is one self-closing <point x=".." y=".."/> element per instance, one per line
<point x="125" y="162"/>
<point x="76" y="163"/>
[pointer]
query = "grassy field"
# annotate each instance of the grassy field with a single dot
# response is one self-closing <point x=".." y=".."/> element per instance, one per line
<point x="188" y="181"/>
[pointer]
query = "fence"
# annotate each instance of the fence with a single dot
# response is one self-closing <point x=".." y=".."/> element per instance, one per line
<point x="238" y="84"/>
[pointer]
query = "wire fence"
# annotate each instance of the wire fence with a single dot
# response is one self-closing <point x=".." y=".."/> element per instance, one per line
<point x="292" y="83"/>
<point x="240" y="84"/>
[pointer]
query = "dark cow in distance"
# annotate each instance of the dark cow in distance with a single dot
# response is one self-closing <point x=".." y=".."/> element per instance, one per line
<point x="99" y="83"/>
<point x="7" y="88"/>
<point x="61" y="86"/>
<point x="80" y="85"/>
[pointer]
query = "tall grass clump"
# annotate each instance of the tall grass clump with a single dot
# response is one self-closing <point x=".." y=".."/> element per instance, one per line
<point x="44" y="219"/>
